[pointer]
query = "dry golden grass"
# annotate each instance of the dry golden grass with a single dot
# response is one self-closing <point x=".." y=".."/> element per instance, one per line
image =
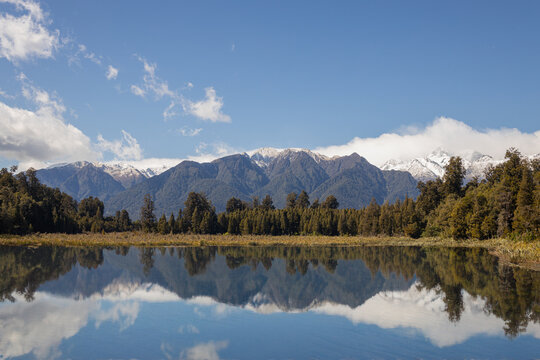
<point x="526" y="254"/>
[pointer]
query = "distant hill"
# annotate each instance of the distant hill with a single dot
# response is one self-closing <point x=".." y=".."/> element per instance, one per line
<point x="352" y="179"/>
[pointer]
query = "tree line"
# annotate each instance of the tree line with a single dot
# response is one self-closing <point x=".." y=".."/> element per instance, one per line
<point x="506" y="203"/>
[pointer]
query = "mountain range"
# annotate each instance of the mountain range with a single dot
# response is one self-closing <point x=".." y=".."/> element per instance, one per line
<point x="352" y="179"/>
<point x="276" y="172"/>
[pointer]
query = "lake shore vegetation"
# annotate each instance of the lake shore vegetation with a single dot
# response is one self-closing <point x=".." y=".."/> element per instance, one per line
<point x="501" y="211"/>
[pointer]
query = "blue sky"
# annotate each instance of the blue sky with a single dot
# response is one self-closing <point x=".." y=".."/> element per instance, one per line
<point x="235" y="76"/>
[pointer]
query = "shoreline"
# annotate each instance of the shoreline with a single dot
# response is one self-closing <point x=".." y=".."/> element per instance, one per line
<point x="514" y="253"/>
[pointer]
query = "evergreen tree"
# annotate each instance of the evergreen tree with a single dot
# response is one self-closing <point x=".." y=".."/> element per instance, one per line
<point x="303" y="200"/>
<point x="162" y="225"/>
<point x="148" y="219"/>
<point x="234" y="204"/>
<point x="330" y="203"/>
<point x="524" y="214"/>
<point x="454" y="174"/>
<point x="291" y="200"/>
<point x="172" y="224"/>
<point x="268" y="203"/>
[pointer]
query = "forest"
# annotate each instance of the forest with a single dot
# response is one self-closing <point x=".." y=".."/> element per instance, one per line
<point x="505" y="203"/>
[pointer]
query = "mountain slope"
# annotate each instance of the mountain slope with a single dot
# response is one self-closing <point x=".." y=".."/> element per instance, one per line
<point x="81" y="180"/>
<point x="352" y="179"/>
<point x="234" y="175"/>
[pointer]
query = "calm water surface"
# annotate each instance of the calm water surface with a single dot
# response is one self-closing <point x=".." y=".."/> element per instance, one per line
<point x="265" y="303"/>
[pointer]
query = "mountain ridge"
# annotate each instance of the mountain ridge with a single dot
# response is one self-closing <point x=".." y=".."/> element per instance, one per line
<point x="352" y="179"/>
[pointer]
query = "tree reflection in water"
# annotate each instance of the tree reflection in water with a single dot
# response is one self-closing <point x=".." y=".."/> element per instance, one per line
<point x="510" y="293"/>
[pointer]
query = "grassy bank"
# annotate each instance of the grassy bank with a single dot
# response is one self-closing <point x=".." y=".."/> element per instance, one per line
<point x="526" y="254"/>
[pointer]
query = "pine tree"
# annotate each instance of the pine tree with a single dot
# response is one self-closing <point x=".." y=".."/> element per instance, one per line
<point x="303" y="200"/>
<point x="454" y="174"/>
<point x="148" y="219"/>
<point x="330" y="202"/>
<point x="162" y="225"/>
<point x="291" y="200"/>
<point x="268" y="203"/>
<point x="172" y="224"/>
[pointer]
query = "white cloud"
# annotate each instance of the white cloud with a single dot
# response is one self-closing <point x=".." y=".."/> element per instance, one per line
<point x="126" y="148"/>
<point x="170" y="111"/>
<point x="124" y="313"/>
<point x="207" y="109"/>
<point x="451" y="135"/>
<point x="26" y="36"/>
<point x="112" y="73"/>
<point x="40" y="326"/>
<point x="84" y="52"/>
<point x="137" y="91"/>
<point x="156" y="87"/>
<point x="423" y="310"/>
<point x="204" y="351"/>
<point x="34" y="137"/>
<point x="6" y="95"/>
<point x="185" y="131"/>
<point x="152" y="84"/>
<point x="208" y="152"/>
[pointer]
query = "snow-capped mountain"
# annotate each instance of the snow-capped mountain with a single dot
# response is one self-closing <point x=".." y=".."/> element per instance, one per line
<point x="126" y="173"/>
<point x="264" y="156"/>
<point x="432" y="166"/>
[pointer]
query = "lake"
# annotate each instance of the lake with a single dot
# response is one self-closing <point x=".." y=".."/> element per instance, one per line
<point x="265" y="303"/>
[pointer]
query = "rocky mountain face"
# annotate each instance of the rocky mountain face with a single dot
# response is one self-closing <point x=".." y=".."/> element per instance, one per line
<point x="352" y="179"/>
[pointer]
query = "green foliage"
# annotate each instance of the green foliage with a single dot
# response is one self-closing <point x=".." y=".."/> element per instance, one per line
<point x="330" y="202"/>
<point x="453" y="177"/>
<point x="148" y="219"/>
<point x="506" y="203"/>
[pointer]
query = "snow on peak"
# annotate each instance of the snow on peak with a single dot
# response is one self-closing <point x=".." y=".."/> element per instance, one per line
<point x="432" y="165"/>
<point x="264" y="156"/>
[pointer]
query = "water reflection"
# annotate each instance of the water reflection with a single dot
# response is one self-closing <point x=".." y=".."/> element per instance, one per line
<point x="450" y="296"/>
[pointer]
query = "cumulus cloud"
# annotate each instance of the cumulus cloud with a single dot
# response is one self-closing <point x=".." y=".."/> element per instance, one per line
<point x="34" y="137"/>
<point x="112" y="73"/>
<point x="207" y="109"/>
<point x="451" y="135"/>
<point x="25" y="34"/>
<point x="126" y="148"/>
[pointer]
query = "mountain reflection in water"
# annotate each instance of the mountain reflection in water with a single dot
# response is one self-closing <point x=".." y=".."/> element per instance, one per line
<point x="449" y="297"/>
